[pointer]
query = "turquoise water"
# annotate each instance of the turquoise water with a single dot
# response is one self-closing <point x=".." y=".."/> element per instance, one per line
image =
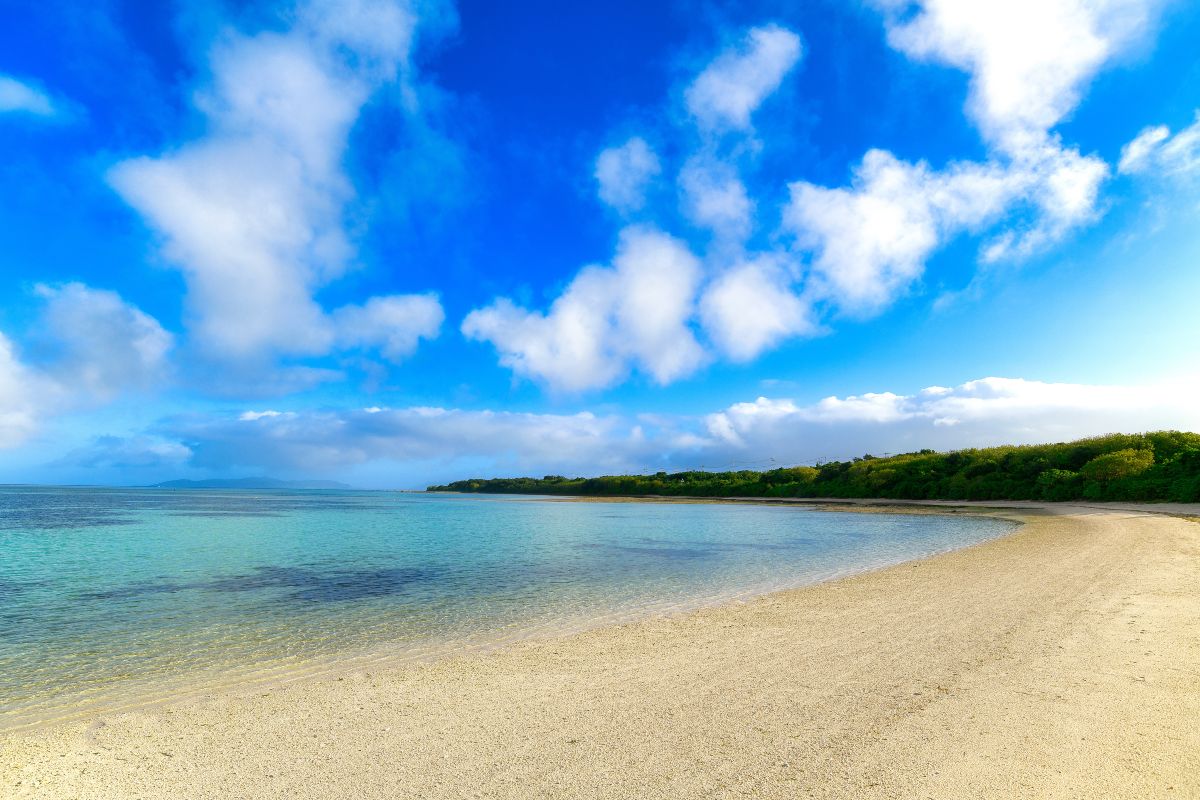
<point x="104" y="591"/>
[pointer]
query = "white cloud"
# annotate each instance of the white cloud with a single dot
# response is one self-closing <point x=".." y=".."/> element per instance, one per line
<point x="871" y="240"/>
<point x="633" y="314"/>
<point x="16" y="96"/>
<point x="715" y="198"/>
<point x="1135" y="156"/>
<point x="1029" y="60"/>
<point x="250" y="416"/>
<point x="639" y="314"/>
<point x="624" y="172"/>
<point x="751" y="307"/>
<point x="1029" y="63"/>
<point x="23" y="395"/>
<point x="732" y="87"/>
<point x="1156" y="151"/>
<point x="252" y="211"/>
<point x="380" y="32"/>
<point x="1059" y="189"/>
<point x="394" y="323"/>
<point x="105" y="346"/>
<point x="986" y="412"/>
<point x="860" y="246"/>
<point x="96" y="347"/>
<point x="1066" y="185"/>
<point x="1181" y="154"/>
<point x="567" y="348"/>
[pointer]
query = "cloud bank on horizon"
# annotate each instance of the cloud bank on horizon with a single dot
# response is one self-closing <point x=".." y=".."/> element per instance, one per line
<point x="326" y="218"/>
<point x="432" y="443"/>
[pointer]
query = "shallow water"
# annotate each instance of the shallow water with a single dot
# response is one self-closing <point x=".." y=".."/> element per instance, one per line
<point x="111" y="590"/>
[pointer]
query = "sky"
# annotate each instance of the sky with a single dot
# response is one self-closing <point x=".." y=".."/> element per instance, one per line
<point x="394" y="243"/>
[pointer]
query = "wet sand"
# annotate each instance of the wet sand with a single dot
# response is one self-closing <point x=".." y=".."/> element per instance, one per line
<point x="1060" y="661"/>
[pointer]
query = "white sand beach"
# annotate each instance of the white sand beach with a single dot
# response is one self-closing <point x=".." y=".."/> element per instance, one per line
<point x="1060" y="661"/>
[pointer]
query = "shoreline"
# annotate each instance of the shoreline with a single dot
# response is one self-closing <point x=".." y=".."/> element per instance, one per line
<point x="1190" y="511"/>
<point x="876" y="631"/>
<point x="159" y="693"/>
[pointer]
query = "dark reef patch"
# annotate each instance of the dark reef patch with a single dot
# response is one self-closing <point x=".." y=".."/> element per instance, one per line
<point x="306" y="584"/>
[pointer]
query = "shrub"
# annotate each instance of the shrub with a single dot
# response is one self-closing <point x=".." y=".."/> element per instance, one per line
<point x="1117" y="465"/>
<point x="1058" y="484"/>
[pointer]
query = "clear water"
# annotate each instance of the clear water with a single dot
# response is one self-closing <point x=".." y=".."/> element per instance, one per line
<point x="104" y="591"/>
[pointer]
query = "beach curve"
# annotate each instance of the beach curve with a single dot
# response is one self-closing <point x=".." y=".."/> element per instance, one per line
<point x="1058" y="661"/>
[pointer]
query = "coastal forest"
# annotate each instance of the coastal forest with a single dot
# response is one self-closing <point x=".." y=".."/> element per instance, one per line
<point x="1160" y="466"/>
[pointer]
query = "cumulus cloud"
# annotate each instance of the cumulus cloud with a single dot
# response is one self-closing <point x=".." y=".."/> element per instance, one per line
<point x="104" y="345"/>
<point x="639" y="315"/>
<point x="96" y="346"/>
<point x="609" y="320"/>
<point x="1029" y="64"/>
<point x="734" y="85"/>
<point x="394" y="324"/>
<point x="751" y="307"/>
<point x="855" y="249"/>
<point x="624" y="172"/>
<point x="19" y="97"/>
<point x="1063" y="186"/>
<point x="985" y="412"/>
<point x="871" y="239"/>
<point x="22" y="396"/>
<point x="715" y="198"/>
<point x="379" y="33"/>
<point x="867" y="243"/>
<point x="252" y="211"/>
<point x="1029" y="60"/>
<point x="1156" y="151"/>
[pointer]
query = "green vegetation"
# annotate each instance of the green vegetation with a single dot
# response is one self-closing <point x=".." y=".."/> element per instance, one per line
<point x="1162" y="466"/>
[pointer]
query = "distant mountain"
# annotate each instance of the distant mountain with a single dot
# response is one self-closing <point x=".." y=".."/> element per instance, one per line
<point x="249" y="483"/>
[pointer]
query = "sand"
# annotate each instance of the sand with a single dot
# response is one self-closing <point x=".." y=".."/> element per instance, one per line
<point x="1060" y="661"/>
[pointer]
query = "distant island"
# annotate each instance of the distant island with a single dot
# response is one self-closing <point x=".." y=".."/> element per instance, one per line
<point x="249" y="483"/>
<point x="1161" y="466"/>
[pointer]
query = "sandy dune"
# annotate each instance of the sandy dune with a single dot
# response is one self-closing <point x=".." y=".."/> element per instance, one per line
<point x="1060" y="661"/>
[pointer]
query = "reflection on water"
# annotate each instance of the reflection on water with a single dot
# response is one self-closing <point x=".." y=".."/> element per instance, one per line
<point x="106" y="589"/>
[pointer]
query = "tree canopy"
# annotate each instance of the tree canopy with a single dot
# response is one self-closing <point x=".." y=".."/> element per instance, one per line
<point x="1160" y="466"/>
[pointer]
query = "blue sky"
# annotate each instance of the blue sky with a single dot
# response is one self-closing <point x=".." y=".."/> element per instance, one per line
<point x="395" y="243"/>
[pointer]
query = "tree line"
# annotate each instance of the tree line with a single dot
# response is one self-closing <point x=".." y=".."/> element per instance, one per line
<point x="1160" y="466"/>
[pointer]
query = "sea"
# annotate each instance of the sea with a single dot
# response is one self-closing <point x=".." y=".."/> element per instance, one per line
<point x="111" y="598"/>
